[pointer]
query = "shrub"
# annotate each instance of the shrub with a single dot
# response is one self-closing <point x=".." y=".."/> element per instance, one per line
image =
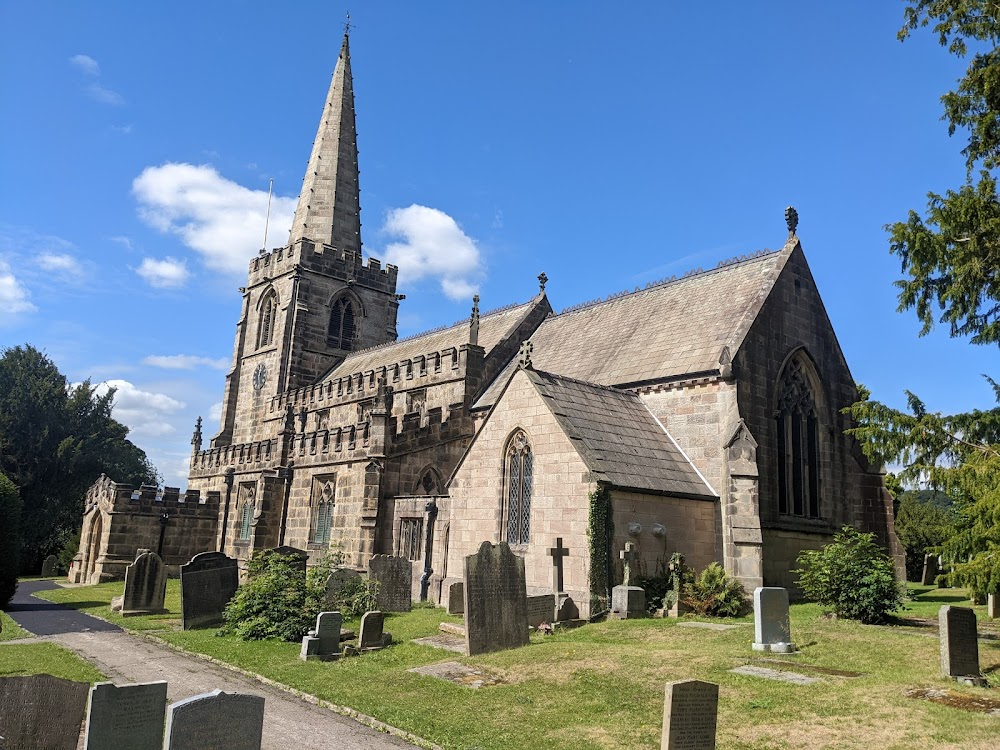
<point x="67" y="552"/>
<point x="715" y="594"/>
<point x="10" y="538"/>
<point x="274" y="602"/>
<point x="852" y="577"/>
<point x="924" y="521"/>
<point x="358" y="596"/>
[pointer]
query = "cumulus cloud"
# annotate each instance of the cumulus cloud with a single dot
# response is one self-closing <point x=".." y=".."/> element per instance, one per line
<point x="168" y="273"/>
<point x="215" y="412"/>
<point x="430" y="244"/>
<point x="13" y="295"/>
<point x="60" y="263"/>
<point x="95" y="89"/>
<point x="85" y="63"/>
<point x="144" y="412"/>
<point x="185" y="362"/>
<point x="216" y="217"/>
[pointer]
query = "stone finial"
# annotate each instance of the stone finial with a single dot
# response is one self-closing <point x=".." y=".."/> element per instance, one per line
<point x="196" y="437"/>
<point x="383" y="397"/>
<point x="792" y="220"/>
<point x="303" y="415"/>
<point x="524" y="356"/>
<point x="474" y="322"/>
<point x="725" y="364"/>
<point x="542" y="281"/>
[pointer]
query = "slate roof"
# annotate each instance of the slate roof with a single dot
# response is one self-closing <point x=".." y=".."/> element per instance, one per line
<point x="667" y="331"/>
<point x="493" y="328"/>
<point x="618" y="438"/>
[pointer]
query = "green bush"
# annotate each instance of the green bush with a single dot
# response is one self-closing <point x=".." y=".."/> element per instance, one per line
<point x="852" y="577"/>
<point x="67" y="552"/>
<point x="359" y="595"/>
<point x="924" y="521"/>
<point x="715" y="594"/>
<point x="10" y="538"/>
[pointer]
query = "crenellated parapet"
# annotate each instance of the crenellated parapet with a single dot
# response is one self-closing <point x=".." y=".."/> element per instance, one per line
<point x="325" y="259"/>
<point x="423" y="429"/>
<point x="259" y="454"/>
<point x="112" y="497"/>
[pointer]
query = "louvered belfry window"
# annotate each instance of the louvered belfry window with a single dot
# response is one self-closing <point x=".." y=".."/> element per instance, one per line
<point x="797" y="430"/>
<point x="265" y="328"/>
<point x="518" y="489"/>
<point x="342" y="325"/>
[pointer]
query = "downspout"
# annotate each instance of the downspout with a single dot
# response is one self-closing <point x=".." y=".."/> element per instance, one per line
<point x="228" y="476"/>
<point x="285" y="474"/>
<point x="425" y="579"/>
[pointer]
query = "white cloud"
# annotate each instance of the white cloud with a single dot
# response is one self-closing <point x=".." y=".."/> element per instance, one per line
<point x="104" y="95"/>
<point x="59" y="263"/>
<point x="218" y="218"/>
<point x="215" y="412"/>
<point x="95" y="89"/>
<point x="13" y="295"/>
<point x="122" y="240"/>
<point x="86" y="63"/>
<point x="185" y="362"/>
<point x="145" y="413"/>
<point x="168" y="273"/>
<point x="431" y="244"/>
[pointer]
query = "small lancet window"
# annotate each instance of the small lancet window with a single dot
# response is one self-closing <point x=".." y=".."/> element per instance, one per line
<point x="265" y="324"/>
<point x="342" y="325"/>
<point x="246" y="512"/>
<point x="322" y="514"/>
<point x="517" y="489"/>
<point x="797" y="433"/>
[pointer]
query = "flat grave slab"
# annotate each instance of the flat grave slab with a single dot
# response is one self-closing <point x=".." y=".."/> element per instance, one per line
<point x="812" y="668"/>
<point x="955" y="699"/>
<point x="777" y="675"/>
<point x="445" y="641"/>
<point x="458" y="674"/>
<point x="708" y="625"/>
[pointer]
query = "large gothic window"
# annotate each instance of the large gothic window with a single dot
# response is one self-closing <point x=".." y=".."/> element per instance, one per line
<point x="342" y="325"/>
<point x="517" y="490"/>
<point x="797" y="430"/>
<point x="265" y="324"/>
<point x="322" y="513"/>
<point x="248" y="492"/>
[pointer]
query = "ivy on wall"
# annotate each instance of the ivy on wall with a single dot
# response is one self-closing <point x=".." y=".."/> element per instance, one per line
<point x="600" y="532"/>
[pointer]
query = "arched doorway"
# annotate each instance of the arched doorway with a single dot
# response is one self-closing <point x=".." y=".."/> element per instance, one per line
<point x="94" y="545"/>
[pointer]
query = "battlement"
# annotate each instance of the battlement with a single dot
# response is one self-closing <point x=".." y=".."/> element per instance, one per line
<point x="349" y="442"/>
<point x="147" y="499"/>
<point x="423" y="429"/>
<point x="257" y="454"/>
<point x="326" y="259"/>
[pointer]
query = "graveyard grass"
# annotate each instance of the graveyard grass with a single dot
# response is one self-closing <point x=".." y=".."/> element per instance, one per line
<point x="45" y="658"/>
<point x="10" y="630"/>
<point x="601" y="686"/>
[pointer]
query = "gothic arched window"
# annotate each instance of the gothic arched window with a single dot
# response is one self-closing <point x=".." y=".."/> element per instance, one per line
<point x="517" y="489"/>
<point x="322" y="514"/>
<point x="246" y="512"/>
<point x="265" y="324"/>
<point x="797" y="430"/>
<point x="342" y="325"/>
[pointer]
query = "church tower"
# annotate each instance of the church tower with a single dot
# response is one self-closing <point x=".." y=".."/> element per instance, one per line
<point x="310" y="303"/>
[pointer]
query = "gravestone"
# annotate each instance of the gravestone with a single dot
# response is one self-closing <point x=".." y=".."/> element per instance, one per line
<point x="208" y="582"/>
<point x="456" y="598"/>
<point x="126" y="718"/>
<point x="41" y="711"/>
<point x="930" y="570"/>
<point x="541" y="609"/>
<point x="568" y="611"/>
<point x="323" y="642"/>
<point x="557" y="554"/>
<point x="627" y="600"/>
<point x="959" y="642"/>
<point x="690" y="715"/>
<point x="339" y="578"/>
<point x="145" y="586"/>
<point x="772" y="629"/>
<point x="496" y="606"/>
<point x="394" y="576"/>
<point x="299" y="557"/>
<point x="49" y="566"/>
<point x="215" y="721"/>
<point x="371" y="635"/>
<point x="993" y="606"/>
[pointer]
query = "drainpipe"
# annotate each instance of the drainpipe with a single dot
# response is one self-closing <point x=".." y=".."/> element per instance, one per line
<point x="228" y="476"/>
<point x="425" y="580"/>
<point x="164" y="518"/>
<point x="286" y="475"/>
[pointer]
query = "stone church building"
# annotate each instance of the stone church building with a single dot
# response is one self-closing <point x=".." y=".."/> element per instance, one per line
<point x="699" y="415"/>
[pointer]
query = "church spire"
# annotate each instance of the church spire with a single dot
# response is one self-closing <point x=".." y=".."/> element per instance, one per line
<point x="329" y="206"/>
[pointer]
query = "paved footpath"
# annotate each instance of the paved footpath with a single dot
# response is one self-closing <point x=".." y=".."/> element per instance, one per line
<point x="124" y="658"/>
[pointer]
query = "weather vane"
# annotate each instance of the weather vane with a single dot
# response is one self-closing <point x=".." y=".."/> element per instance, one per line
<point x="347" y="25"/>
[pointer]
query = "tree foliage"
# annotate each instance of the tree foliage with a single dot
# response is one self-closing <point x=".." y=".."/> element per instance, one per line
<point x="715" y="594"/>
<point x="922" y="526"/>
<point x="56" y="439"/>
<point x="10" y="539"/>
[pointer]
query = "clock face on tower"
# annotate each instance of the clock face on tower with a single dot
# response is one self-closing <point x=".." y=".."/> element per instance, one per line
<point x="259" y="376"/>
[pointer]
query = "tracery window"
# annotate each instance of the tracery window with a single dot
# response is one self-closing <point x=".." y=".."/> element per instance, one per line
<point x="517" y="489"/>
<point x="249" y="492"/>
<point x="265" y="324"/>
<point x="322" y="513"/>
<point x="410" y="532"/>
<point x="342" y="325"/>
<point x="797" y="430"/>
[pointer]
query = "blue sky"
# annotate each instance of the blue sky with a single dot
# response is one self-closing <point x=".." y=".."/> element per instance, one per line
<point x="608" y="145"/>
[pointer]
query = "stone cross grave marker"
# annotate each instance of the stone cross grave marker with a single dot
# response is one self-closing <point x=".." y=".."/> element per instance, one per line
<point x="41" y="711"/>
<point x="394" y="576"/>
<point x="208" y="582"/>
<point x="339" y="578"/>
<point x="930" y="570"/>
<point x="126" y="718"/>
<point x="628" y="556"/>
<point x="323" y="642"/>
<point x="627" y="600"/>
<point x="558" y="553"/>
<point x="496" y="600"/>
<point x="772" y="628"/>
<point x="49" y="566"/>
<point x="371" y="634"/>
<point x="216" y="721"/>
<point x="690" y="714"/>
<point x="145" y="586"/>
<point x="959" y="642"/>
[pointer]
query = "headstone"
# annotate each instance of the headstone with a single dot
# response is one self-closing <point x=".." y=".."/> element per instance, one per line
<point x="993" y="606"/>
<point x="126" y="718"/>
<point x="371" y="635"/>
<point x="456" y="598"/>
<point x="394" y="576"/>
<point x="323" y="643"/>
<point x="690" y="714"/>
<point x="216" y="721"/>
<point x="772" y="629"/>
<point x="558" y="553"/>
<point x="145" y="586"/>
<point x="567" y="611"/>
<point x="628" y="556"/>
<point x="140" y="552"/>
<point x="339" y="578"/>
<point x="208" y="582"/>
<point x="628" y="600"/>
<point x="959" y="642"/>
<point x="541" y="609"/>
<point x="41" y="711"/>
<point x="496" y="606"/>
<point x="299" y="557"/>
<point x="930" y="570"/>
<point x="49" y="566"/>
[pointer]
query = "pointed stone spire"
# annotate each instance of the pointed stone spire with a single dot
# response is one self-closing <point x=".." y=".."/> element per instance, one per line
<point x="329" y="208"/>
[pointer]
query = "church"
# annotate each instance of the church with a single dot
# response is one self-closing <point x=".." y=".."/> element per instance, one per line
<point x="699" y="415"/>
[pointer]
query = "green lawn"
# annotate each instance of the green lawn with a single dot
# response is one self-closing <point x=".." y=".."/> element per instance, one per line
<point x="45" y="658"/>
<point x="11" y="630"/>
<point x="601" y="686"/>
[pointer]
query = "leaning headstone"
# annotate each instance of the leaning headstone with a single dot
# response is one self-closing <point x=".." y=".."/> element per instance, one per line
<point x="993" y="606"/>
<point x="772" y="629"/>
<point x="49" y="566"/>
<point x="628" y="601"/>
<point x="394" y="582"/>
<point x="208" y="582"/>
<point x="335" y="583"/>
<point x="690" y="715"/>
<point x="41" y="711"/>
<point x="372" y="633"/>
<point x="299" y="556"/>
<point x="959" y="644"/>
<point x="216" y="721"/>
<point x="145" y="586"/>
<point x="496" y="606"/>
<point x="930" y="571"/>
<point x="126" y="718"/>
<point x="323" y="642"/>
<point x="456" y="598"/>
